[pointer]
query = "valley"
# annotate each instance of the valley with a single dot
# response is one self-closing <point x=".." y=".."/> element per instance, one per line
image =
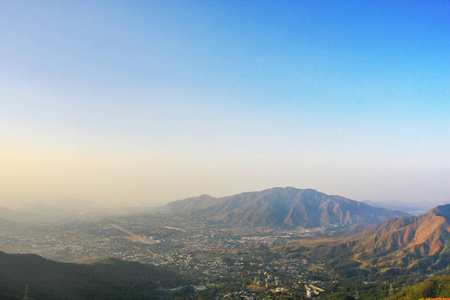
<point x="217" y="255"/>
<point x="228" y="260"/>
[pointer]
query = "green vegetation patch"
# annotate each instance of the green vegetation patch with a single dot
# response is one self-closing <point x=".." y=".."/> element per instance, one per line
<point x="438" y="287"/>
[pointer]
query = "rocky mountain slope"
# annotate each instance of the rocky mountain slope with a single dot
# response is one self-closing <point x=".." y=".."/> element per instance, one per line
<point x="391" y="243"/>
<point x="418" y="242"/>
<point x="282" y="206"/>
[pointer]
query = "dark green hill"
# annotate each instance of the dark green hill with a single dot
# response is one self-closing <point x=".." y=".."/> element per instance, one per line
<point x="108" y="279"/>
<point x="438" y="287"/>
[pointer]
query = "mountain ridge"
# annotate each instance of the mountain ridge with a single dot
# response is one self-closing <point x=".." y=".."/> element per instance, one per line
<point x="415" y="237"/>
<point x="414" y="242"/>
<point x="282" y="206"/>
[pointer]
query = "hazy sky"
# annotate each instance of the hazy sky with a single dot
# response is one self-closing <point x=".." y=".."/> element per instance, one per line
<point x="117" y="102"/>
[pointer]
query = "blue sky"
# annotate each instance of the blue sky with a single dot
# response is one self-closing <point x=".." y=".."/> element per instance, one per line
<point x="151" y="101"/>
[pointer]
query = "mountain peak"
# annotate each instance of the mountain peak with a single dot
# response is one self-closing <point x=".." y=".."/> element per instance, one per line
<point x="286" y="206"/>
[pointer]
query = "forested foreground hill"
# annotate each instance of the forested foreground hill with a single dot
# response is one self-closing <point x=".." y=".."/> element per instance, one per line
<point x="438" y="287"/>
<point x="108" y="279"/>
<point x="434" y="288"/>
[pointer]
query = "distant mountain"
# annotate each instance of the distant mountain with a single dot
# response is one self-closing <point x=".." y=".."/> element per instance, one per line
<point x="282" y="206"/>
<point x="412" y="209"/>
<point x="35" y="213"/>
<point x="41" y="213"/>
<point x="7" y="224"/>
<point x="9" y="215"/>
<point x="418" y="242"/>
<point x="108" y="279"/>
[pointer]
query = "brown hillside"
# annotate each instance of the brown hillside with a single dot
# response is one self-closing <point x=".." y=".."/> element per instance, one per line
<point x="406" y="242"/>
<point x="390" y="242"/>
<point x="283" y="206"/>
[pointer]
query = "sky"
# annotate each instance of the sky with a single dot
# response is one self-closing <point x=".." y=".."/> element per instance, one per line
<point x="122" y="103"/>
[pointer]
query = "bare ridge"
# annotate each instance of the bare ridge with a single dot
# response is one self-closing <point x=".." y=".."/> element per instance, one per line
<point x="282" y="207"/>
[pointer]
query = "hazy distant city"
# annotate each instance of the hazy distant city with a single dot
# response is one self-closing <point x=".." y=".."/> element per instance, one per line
<point x="217" y="255"/>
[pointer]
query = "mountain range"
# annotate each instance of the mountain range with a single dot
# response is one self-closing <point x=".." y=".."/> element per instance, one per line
<point x="282" y="206"/>
<point x="413" y="209"/>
